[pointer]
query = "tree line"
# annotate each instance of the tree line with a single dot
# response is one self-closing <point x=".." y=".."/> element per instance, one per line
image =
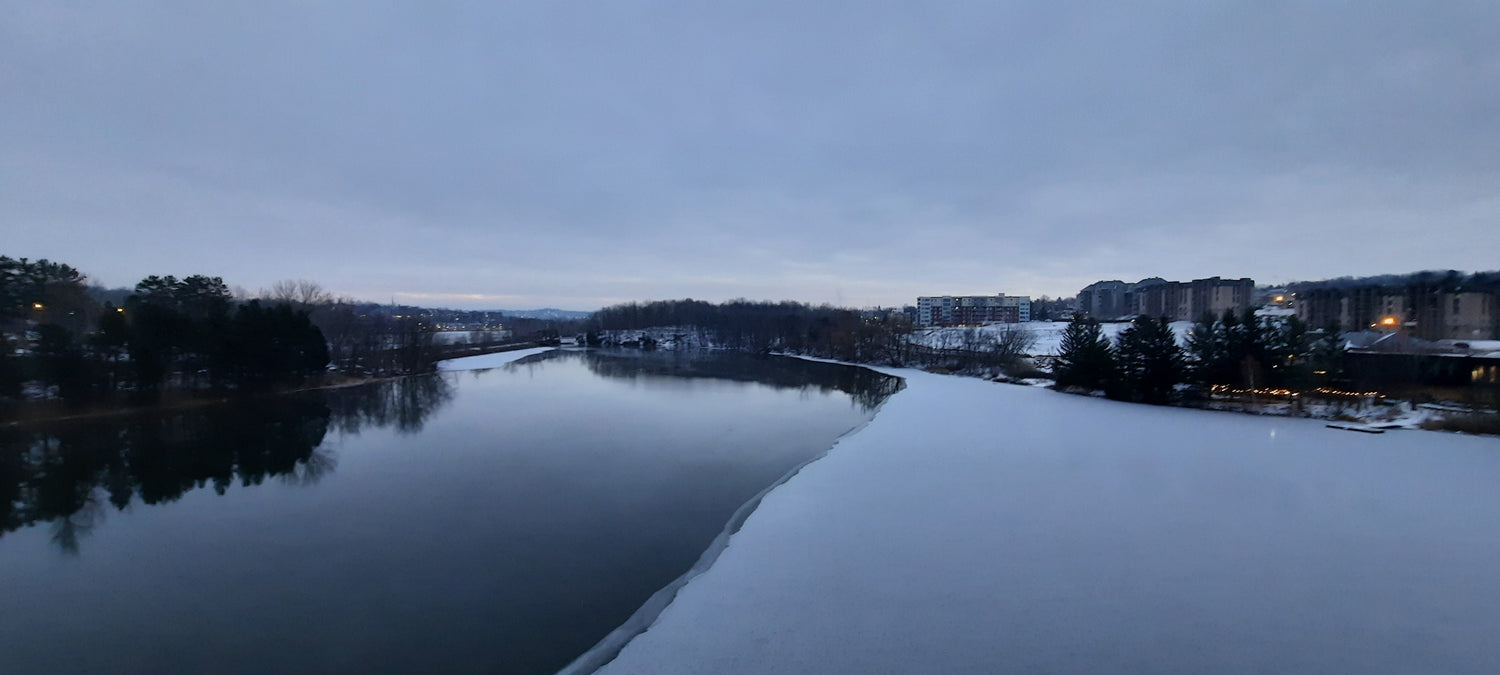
<point x="189" y="333"/>
<point x="814" y="330"/>
<point x="824" y="331"/>
<point x="1146" y="363"/>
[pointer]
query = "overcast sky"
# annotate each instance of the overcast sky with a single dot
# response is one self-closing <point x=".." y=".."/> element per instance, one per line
<point x="575" y="154"/>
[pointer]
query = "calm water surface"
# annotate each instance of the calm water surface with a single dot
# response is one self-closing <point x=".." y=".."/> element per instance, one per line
<point x="485" y="521"/>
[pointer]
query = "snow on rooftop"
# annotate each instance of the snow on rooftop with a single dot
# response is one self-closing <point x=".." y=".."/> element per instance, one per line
<point x="975" y="527"/>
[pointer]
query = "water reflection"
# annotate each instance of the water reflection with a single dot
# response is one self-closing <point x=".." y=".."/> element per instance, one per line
<point x="70" y="474"/>
<point x="404" y="404"/>
<point x="867" y="388"/>
<point x="510" y="532"/>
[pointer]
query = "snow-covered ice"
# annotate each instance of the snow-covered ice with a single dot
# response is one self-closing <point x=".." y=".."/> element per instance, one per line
<point x="490" y="360"/>
<point x="975" y="527"/>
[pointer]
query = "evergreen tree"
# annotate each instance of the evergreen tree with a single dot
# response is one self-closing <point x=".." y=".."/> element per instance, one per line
<point x="63" y="363"/>
<point x="181" y="323"/>
<point x="108" y="344"/>
<point x="1084" y="358"/>
<point x="1149" y="360"/>
<point x="1206" y="350"/>
<point x="1247" y="349"/>
<point x="1326" y="355"/>
<point x="12" y="376"/>
<point x="267" y="345"/>
<point x="1287" y="350"/>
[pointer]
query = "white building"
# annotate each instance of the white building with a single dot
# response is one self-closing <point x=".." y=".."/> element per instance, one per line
<point x="968" y="310"/>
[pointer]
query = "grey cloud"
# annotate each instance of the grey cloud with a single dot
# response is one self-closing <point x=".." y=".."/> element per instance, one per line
<point x="577" y="153"/>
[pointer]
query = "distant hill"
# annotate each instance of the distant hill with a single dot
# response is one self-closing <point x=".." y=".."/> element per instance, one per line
<point x="548" y="313"/>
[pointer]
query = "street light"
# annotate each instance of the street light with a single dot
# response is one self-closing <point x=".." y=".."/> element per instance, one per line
<point x="36" y="305"/>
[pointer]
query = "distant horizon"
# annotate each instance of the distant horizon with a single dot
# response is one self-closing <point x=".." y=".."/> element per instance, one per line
<point x="417" y="299"/>
<point x="912" y="301"/>
<point x="583" y="155"/>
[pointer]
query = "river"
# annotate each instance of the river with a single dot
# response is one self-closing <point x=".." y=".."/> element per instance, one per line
<point x="500" y="520"/>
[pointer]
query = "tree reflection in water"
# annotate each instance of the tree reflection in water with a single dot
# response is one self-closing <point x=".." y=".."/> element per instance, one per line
<point x="63" y="473"/>
<point x="867" y="387"/>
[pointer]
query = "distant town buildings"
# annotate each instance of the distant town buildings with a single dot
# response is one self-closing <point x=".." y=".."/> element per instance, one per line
<point x="1429" y="306"/>
<point x="1176" y="300"/>
<point x="969" y="310"/>
<point x="1105" y="300"/>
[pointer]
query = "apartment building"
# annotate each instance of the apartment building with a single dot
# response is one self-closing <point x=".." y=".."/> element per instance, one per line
<point x="1176" y="300"/>
<point x="1106" y="300"/>
<point x="1426" y="312"/>
<point x="969" y="310"/>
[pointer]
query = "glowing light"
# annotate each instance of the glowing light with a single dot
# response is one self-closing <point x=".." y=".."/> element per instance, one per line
<point x="1280" y="298"/>
<point x="1389" y="320"/>
<point x="1226" y="389"/>
<point x="36" y="305"/>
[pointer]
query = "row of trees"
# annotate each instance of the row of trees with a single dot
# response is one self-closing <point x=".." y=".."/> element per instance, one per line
<point x="818" y="330"/>
<point x="185" y="333"/>
<point x="824" y="331"/>
<point x="1146" y="362"/>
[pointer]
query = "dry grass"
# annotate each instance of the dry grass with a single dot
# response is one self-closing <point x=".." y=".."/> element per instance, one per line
<point x="1469" y="423"/>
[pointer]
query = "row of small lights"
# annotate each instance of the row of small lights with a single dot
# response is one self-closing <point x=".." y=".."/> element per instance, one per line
<point x="1226" y="389"/>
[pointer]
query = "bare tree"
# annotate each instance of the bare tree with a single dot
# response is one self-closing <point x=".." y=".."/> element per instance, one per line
<point x="1012" y="342"/>
<point x="299" y="293"/>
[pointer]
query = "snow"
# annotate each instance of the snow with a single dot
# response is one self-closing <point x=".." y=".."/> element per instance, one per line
<point x="980" y="527"/>
<point x="448" y="337"/>
<point x="1048" y="334"/>
<point x="490" y="360"/>
<point x="666" y="337"/>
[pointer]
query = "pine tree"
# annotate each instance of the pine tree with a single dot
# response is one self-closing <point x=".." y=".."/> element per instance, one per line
<point x="1326" y="355"/>
<point x="1150" y="361"/>
<point x="1205" y="350"/>
<point x="1287" y="350"/>
<point x="1084" y="358"/>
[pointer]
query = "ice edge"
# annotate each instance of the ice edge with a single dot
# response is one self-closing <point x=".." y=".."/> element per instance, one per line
<point x="610" y="647"/>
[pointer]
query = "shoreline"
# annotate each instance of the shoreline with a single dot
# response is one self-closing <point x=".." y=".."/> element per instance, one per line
<point x="41" y="412"/>
<point x="36" y="412"/>
<point x="609" y="648"/>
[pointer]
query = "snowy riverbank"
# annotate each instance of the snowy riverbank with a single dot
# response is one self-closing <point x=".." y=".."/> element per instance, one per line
<point x="1047" y="335"/>
<point x="490" y="360"/>
<point x="976" y="527"/>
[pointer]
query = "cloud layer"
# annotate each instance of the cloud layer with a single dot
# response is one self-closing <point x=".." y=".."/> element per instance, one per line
<point x="577" y="154"/>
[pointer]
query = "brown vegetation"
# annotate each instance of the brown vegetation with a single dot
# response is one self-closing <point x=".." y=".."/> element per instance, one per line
<point x="1487" y="424"/>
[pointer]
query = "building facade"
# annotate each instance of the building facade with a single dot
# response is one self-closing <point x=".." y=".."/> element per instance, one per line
<point x="969" y="310"/>
<point x="1106" y="300"/>
<point x="1214" y="296"/>
<point x="1157" y="297"/>
<point x="1428" y="313"/>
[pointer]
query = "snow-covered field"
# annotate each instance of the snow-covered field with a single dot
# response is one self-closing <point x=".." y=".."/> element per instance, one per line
<point x="975" y="527"/>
